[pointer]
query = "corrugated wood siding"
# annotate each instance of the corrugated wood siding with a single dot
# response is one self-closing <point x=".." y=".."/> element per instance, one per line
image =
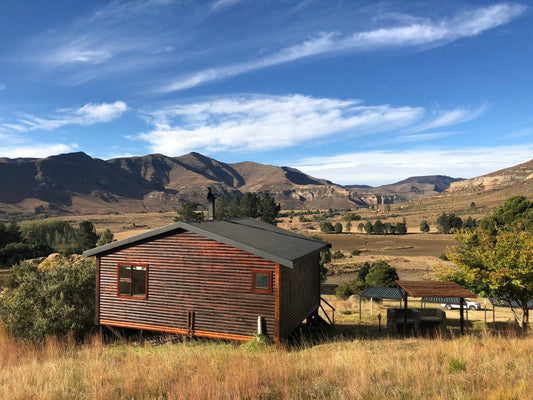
<point x="189" y="272"/>
<point x="299" y="293"/>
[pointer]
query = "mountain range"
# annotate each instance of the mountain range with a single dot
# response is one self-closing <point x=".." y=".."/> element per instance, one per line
<point x="76" y="183"/>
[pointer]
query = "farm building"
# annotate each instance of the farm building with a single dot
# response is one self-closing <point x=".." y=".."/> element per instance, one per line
<point x="211" y="278"/>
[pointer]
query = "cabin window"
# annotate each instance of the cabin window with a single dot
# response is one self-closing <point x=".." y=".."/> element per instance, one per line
<point x="262" y="281"/>
<point x="132" y="280"/>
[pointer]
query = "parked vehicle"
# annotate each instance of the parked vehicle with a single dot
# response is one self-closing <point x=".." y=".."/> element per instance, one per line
<point x="471" y="305"/>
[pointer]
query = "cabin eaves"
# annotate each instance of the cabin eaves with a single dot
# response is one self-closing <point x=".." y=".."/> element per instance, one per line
<point x="250" y="235"/>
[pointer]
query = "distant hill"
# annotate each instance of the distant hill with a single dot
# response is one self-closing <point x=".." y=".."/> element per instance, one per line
<point x="76" y="183"/>
<point x="403" y="191"/>
<point x="505" y="178"/>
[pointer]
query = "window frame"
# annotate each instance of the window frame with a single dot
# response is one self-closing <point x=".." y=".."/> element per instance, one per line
<point x="131" y="265"/>
<point x="261" y="290"/>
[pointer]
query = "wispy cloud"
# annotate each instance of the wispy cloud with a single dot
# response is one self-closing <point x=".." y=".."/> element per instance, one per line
<point x="89" y="114"/>
<point x="220" y="4"/>
<point x="259" y="122"/>
<point x="444" y="118"/>
<point x="416" y="32"/>
<point x="383" y="167"/>
<point x="120" y="33"/>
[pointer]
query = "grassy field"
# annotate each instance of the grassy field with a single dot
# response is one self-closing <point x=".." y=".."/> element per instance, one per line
<point x="472" y="367"/>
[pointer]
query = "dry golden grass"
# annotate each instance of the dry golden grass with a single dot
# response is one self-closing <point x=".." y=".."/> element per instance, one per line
<point x="472" y="367"/>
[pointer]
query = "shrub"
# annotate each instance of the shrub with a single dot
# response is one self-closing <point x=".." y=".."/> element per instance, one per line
<point x="363" y="271"/>
<point x="337" y="255"/>
<point x="381" y="274"/>
<point x="349" y="288"/>
<point x="54" y="298"/>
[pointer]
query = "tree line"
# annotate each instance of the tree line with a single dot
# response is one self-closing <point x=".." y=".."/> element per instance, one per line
<point x="253" y="205"/>
<point x="41" y="238"/>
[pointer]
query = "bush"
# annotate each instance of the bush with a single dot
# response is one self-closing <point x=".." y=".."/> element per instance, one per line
<point x="337" y="255"/>
<point x="381" y="274"/>
<point x="54" y="298"/>
<point x="363" y="271"/>
<point x="349" y="288"/>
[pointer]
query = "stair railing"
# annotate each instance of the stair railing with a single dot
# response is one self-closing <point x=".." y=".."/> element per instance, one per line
<point x="331" y="308"/>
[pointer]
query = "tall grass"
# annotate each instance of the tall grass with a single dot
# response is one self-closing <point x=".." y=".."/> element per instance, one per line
<point x="482" y="367"/>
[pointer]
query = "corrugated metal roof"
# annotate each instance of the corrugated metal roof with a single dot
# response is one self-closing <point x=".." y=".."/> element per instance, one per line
<point x="441" y="300"/>
<point x="499" y="302"/>
<point x="253" y="236"/>
<point x="382" y="293"/>
<point x="434" y="289"/>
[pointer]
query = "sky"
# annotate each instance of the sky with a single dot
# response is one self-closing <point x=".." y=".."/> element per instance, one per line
<point x="357" y="92"/>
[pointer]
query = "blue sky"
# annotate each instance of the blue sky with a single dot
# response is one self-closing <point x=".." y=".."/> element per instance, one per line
<point x="358" y="92"/>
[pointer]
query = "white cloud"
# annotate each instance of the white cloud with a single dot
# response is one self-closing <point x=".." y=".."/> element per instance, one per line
<point x="383" y="167"/>
<point x="267" y="122"/>
<point x="89" y="114"/>
<point x="416" y="32"/>
<point x="36" y="150"/>
<point x="259" y="122"/>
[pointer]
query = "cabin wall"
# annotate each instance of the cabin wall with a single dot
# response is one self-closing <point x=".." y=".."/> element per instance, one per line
<point x="299" y="293"/>
<point x="189" y="272"/>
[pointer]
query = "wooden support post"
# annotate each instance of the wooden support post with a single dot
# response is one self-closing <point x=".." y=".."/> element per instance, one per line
<point x="360" y="314"/>
<point x="461" y="314"/>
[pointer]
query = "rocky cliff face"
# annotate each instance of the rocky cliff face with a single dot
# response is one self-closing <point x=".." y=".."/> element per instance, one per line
<point x="499" y="179"/>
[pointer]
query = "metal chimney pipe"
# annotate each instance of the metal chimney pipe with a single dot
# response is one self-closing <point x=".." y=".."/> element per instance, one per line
<point x="211" y="206"/>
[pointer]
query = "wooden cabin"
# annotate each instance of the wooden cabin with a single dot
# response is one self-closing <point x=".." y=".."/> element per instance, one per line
<point x="211" y="279"/>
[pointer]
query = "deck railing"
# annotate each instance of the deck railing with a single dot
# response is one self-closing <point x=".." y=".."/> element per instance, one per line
<point x="331" y="308"/>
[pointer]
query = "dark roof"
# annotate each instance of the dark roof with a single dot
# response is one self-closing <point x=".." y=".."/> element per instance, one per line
<point x="382" y="293"/>
<point x="434" y="289"/>
<point x="248" y="234"/>
<point x="442" y="300"/>
<point x="499" y="302"/>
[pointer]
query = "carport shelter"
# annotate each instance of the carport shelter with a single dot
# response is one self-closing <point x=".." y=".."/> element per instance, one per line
<point x="434" y="289"/>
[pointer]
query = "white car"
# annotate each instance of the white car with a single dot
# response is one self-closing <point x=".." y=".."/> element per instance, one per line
<point x="471" y="305"/>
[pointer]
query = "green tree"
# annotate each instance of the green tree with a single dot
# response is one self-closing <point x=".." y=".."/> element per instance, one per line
<point x="424" y="226"/>
<point x="447" y="222"/>
<point x="381" y="274"/>
<point x="470" y="223"/>
<point x="85" y="237"/>
<point x="401" y="228"/>
<point x="515" y="214"/>
<point x="105" y="237"/>
<point x="500" y="264"/>
<point x="369" y="228"/>
<point x="268" y="210"/>
<point x="361" y="227"/>
<point x="50" y="301"/>
<point x="338" y="227"/>
<point x="326" y="227"/>
<point x="379" y="228"/>
<point x="363" y="271"/>
<point x="349" y="288"/>
<point x="187" y="212"/>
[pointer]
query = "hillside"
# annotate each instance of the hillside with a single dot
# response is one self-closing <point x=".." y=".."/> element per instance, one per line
<point x="406" y="190"/>
<point x="76" y="183"/>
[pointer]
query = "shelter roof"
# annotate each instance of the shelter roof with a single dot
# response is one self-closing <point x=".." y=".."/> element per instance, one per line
<point x="382" y="293"/>
<point x="433" y="289"/>
<point x="253" y="236"/>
